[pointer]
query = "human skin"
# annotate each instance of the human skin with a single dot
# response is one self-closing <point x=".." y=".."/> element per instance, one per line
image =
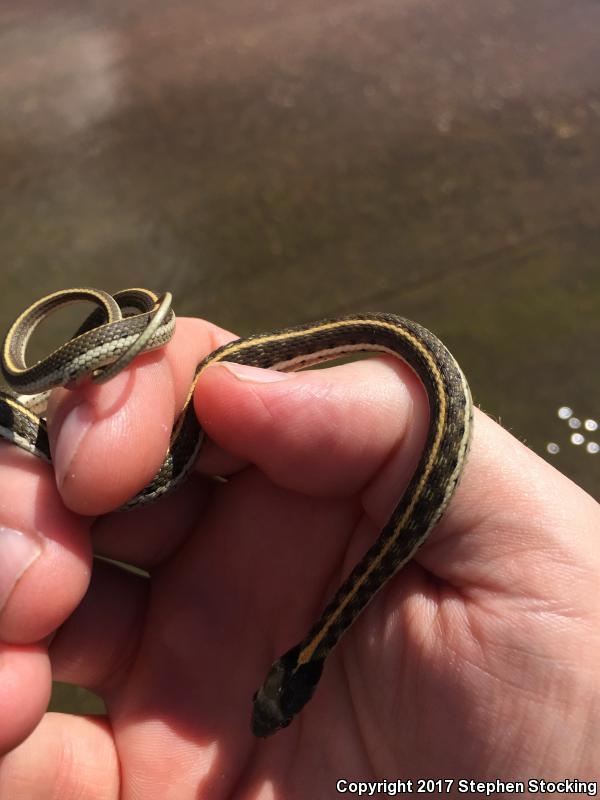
<point x="479" y="660"/>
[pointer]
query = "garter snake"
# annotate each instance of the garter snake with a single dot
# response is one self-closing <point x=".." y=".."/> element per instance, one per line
<point x="137" y="320"/>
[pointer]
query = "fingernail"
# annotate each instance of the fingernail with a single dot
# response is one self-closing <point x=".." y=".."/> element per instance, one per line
<point x="17" y="554"/>
<point x="243" y="372"/>
<point x="73" y="430"/>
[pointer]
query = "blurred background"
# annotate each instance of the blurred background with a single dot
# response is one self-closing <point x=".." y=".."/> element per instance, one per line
<point x="273" y="162"/>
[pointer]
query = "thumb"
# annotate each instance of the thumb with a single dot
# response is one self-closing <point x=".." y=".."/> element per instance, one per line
<point x="322" y="432"/>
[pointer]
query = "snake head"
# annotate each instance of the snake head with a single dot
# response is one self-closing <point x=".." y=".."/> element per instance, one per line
<point x="288" y="686"/>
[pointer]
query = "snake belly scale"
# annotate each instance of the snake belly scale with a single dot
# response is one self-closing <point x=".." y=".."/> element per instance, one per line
<point x="137" y="320"/>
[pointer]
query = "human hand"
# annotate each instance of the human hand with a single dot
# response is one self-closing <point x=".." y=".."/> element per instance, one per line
<point x="477" y="660"/>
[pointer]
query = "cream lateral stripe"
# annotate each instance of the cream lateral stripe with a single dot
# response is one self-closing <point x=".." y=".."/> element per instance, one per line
<point x="323" y="356"/>
<point x="464" y="443"/>
<point x="307" y="653"/>
<point x="98" y="355"/>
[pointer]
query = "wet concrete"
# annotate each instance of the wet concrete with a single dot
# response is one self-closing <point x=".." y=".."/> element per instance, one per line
<point x="274" y="162"/>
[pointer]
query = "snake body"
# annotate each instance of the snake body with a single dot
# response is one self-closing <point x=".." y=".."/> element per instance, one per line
<point x="137" y="320"/>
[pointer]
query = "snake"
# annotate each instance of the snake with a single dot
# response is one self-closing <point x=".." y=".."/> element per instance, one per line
<point x="139" y="320"/>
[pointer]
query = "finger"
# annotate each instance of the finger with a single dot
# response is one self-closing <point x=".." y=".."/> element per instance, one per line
<point x="44" y="551"/>
<point x="519" y="521"/>
<point x="24" y="692"/>
<point x="96" y="645"/>
<point x="108" y="441"/>
<point x="44" y="571"/>
<point x="322" y="431"/>
<point x="66" y="756"/>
